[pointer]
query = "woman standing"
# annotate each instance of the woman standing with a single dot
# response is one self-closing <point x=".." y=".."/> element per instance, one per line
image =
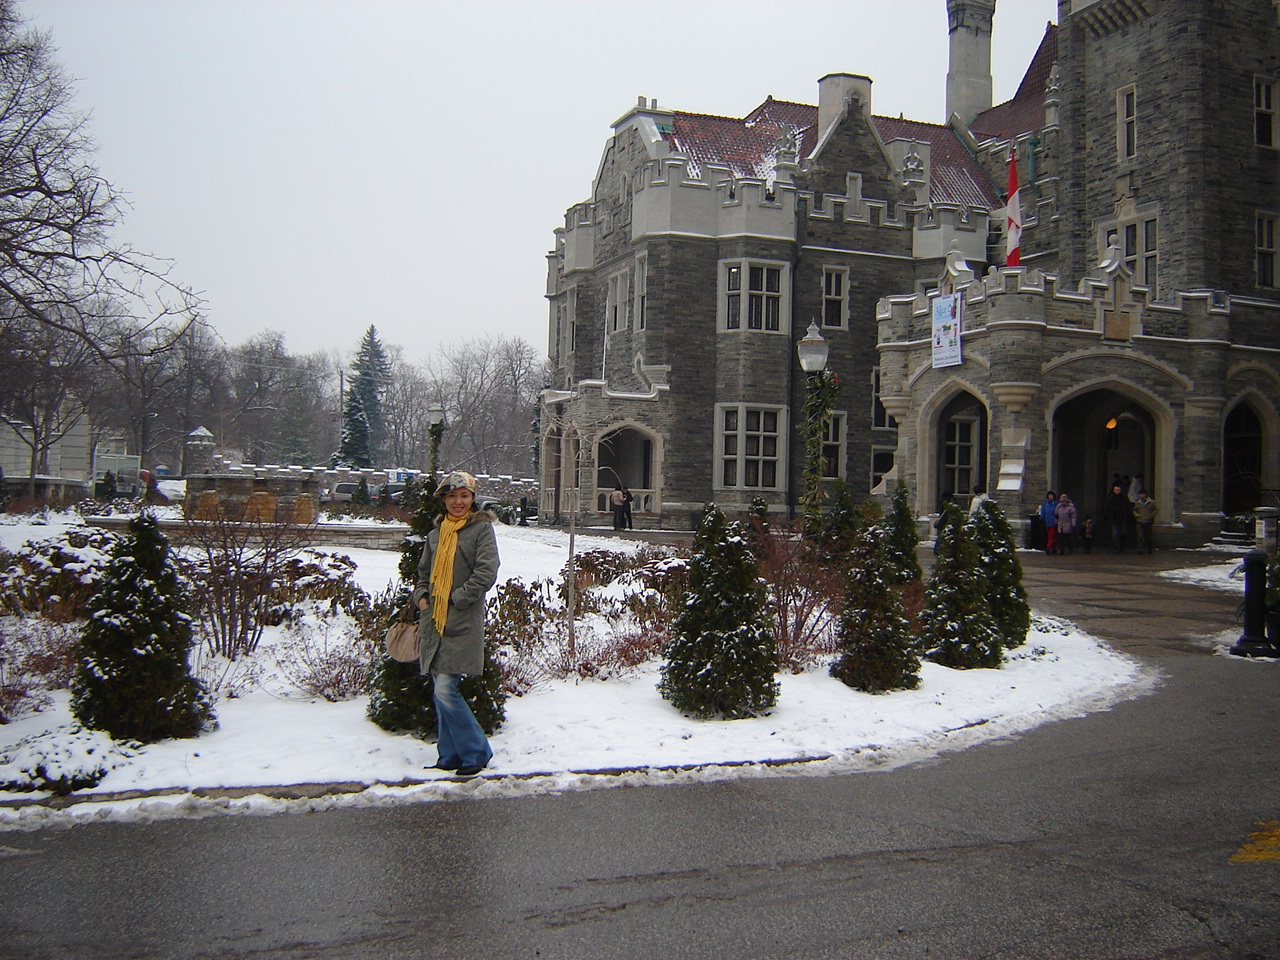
<point x="1049" y="517"/>
<point x="1067" y="520"/>
<point x="459" y="564"/>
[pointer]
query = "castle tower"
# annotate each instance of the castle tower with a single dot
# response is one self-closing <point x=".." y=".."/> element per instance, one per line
<point x="969" y="65"/>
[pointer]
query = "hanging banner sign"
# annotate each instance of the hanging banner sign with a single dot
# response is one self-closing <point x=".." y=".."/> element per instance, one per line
<point x="946" y="330"/>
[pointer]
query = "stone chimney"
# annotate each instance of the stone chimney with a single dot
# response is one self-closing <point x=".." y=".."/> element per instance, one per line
<point x="969" y="66"/>
<point x="834" y="91"/>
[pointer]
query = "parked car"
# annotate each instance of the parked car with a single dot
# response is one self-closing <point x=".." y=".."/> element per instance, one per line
<point x="342" y="492"/>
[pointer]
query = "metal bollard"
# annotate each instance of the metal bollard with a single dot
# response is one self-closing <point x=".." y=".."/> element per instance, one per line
<point x="1253" y="642"/>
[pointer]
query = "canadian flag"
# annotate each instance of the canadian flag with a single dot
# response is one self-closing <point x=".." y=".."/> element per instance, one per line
<point x="1013" y="229"/>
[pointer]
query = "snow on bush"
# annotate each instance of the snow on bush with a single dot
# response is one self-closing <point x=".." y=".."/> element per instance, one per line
<point x="61" y="760"/>
<point x="55" y="576"/>
<point x="36" y="656"/>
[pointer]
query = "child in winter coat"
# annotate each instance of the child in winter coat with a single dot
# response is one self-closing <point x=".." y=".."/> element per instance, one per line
<point x="1088" y="530"/>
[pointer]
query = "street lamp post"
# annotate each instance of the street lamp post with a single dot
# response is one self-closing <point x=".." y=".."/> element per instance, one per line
<point x="435" y="417"/>
<point x="820" y="391"/>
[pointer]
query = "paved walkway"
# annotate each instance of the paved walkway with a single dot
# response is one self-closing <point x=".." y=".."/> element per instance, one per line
<point x="1123" y="599"/>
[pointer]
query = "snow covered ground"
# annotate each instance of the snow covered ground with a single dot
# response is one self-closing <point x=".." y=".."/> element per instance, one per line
<point x="568" y="735"/>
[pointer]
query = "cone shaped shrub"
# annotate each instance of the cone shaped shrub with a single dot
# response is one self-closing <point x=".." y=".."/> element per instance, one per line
<point x="132" y="679"/>
<point x="999" y="559"/>
<point x="721" y="659"/>
<point x="902" y="541"/>
<point x="957" y="628"/>
<point x="877" y="648"/>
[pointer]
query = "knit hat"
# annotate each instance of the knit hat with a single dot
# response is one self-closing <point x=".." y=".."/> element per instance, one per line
<point x="455" y="480"/>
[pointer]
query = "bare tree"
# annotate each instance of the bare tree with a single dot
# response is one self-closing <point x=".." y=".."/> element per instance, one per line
<point x="489" y="390"/>
<point x="404" y="414"/>
<point x="58" y="266"/>
<point x="48" y="388"/>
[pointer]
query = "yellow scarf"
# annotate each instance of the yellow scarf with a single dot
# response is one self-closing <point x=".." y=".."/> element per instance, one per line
<point x="442" y="570"/>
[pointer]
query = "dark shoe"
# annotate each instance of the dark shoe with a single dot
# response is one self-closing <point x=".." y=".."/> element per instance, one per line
<point x="470" y="771"/>
<point x="444" y="766"/>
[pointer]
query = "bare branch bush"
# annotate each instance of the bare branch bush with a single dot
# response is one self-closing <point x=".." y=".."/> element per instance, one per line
<point x="236" y="565"/>
<point x="36" y="656"/>
<point x="805" y="596"/>
<point x="325" y="655"/>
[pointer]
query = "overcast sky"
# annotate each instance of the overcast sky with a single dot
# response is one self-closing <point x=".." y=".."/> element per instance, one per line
<point x="313" y="166"/>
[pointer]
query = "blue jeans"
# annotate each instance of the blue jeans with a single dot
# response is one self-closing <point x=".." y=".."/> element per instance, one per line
<point x="459" y="742"/>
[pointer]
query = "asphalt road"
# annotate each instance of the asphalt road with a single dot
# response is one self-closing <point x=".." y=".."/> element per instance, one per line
<point x="1108" y="837"/>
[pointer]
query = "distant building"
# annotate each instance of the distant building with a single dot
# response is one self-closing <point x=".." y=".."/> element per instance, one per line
<point x="1139" y="336"/>
<point x="64" y="470"/>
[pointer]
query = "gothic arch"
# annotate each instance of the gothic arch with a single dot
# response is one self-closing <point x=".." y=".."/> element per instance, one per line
<point x="955" y="402"/>
<point x="1250" y="445"/>
<point x="1108" y="425"/>
<point x="629" y="453"/>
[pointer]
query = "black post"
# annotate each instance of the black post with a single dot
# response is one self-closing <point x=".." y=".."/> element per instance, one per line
<point x="524" y="511"/>
<point x="1253" y="642"/>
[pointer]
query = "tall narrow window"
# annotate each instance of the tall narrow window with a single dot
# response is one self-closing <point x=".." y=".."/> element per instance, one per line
<point x="1127" y="122"/>
<point x="1266" y="250"/>
<point x="958" y="454"/>
<point x="733" y="298"/>
<point x="880" y="418"/>
<point x="1264" y="111"/>
<point x="750" y="447"/>
<point x="834" y="294"/>
<point x="833" y="446"/>
<point x="612" y="306"/>
<point x="642" y="285"/>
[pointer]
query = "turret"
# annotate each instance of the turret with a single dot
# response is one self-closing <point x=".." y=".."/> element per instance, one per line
<point x="969" y="66"/>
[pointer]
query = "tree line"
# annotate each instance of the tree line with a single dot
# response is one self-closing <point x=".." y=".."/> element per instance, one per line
<point x="91" y="329"/>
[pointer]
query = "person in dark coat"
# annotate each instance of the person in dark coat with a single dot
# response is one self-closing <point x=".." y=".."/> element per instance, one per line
<point x="458" y="567"/>
<point x="1116" y="510"/>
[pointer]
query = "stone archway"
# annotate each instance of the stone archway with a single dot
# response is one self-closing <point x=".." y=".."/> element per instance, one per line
<point x="1242" y="459"/>
<point x="1097" y="435"/>
<point x="960" y="448"/>
<point x="626" y="456"/>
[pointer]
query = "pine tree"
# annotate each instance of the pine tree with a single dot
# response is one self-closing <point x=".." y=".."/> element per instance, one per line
<point x="999" y="559"/>
<point x="957" y="628"/>
<point x="132" y="679"/>
<point x="370" y="373"/>
<point x="354" y="450"/>
<point x="360" y="496"/>
<point x="842" y="523"/>
<point x="900" y="549"/>
<point x="876" y="646"/>
<point x="721" y="659"/>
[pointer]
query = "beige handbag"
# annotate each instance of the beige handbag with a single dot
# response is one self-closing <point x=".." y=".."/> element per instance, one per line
<point x="402" y="636"/>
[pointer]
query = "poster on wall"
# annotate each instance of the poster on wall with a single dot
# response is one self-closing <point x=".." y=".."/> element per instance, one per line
<point x="946" y="330"/>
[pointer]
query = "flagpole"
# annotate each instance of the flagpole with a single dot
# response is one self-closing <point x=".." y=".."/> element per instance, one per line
<point x="1013" y="226"/>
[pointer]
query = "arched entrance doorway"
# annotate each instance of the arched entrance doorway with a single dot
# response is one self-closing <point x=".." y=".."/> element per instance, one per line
<point x="961" y="452"/>
<point x="625" y="456"/>
<point x="1097" y="436"/>
<point x="1241" y="460"/>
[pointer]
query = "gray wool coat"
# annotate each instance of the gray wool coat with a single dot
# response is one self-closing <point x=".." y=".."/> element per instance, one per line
<point x="475" y="570"/>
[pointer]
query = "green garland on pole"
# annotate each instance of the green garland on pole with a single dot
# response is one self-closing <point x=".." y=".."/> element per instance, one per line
<point x="821" y="390"/>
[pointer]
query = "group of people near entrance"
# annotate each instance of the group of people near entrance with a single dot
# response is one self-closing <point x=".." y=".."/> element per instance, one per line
<point x="1128" y="514"/>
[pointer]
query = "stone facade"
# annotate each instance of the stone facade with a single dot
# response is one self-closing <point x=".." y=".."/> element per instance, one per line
<point x="679" y="291"/>
<point x="1142" y="334"/>
<point x="1139" y="336"/>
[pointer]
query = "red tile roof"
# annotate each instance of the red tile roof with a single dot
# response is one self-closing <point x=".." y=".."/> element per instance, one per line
<point x="1025" y="112"/>
<point x="749" y="146"/>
